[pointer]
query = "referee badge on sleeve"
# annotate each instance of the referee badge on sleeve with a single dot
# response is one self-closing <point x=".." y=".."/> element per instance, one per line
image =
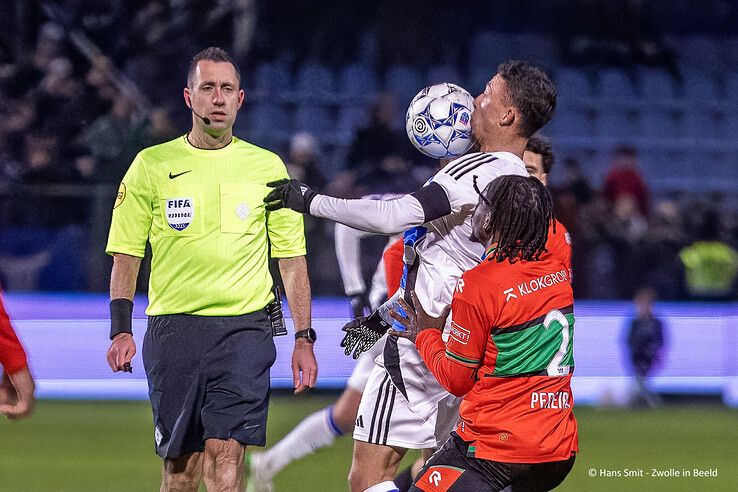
<point x="120" y="196"/>
<point x="180" y="212"/>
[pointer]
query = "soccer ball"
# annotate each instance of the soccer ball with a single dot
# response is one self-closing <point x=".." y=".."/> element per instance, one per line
<point x="438" y="121"/>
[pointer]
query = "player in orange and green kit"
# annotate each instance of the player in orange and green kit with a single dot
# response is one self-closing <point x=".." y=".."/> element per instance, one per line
<point x="509" y="353"/>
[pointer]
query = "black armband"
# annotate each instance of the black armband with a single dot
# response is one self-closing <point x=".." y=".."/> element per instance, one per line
<point x="434" y="201"/>
<point x="121" y="317"/>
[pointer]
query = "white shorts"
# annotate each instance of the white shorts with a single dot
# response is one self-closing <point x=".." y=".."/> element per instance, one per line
<point x="385" y="416"/>
<point x="362" y="369"/>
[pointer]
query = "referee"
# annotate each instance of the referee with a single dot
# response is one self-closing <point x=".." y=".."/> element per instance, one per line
<point x="208" y="349"/>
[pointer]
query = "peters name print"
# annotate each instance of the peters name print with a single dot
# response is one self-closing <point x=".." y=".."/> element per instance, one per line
<point x="180" y="212"/>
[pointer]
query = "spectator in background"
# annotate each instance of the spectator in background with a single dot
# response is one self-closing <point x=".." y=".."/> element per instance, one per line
<point x="16" y="386"/>
<point x="42" y="159"/>
<point x="16" y="117"/>
<point x="645" y="344"/>
<point x="381" y="159"/>
<point x="597" y="261"/>
<point x="576" y="183"/>
<point x="160" y="127"/>
<point x="625" y="228"/>
<point x="49" y="45"/>
<point x="623" y="178"/>
<point x="161" y="42"/>
<point x="303" y="161"/>
<point x="114" y="139"/>
<point x="303" y="165"/>
<point x="98" y="77"/>
<point x="659" y="251"/>
<point x="571" y="197"/>
<point x="64" y="105"/>
<point x="378" y="138"/>
<point x="710" y="265"/>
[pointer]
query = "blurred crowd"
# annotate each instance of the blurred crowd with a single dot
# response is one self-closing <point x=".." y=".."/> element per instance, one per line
<point x="682" y="246"/>
<point x="85" y="85"/>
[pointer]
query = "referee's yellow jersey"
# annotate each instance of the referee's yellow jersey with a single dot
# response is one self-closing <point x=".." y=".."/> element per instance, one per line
<point x="202" y="212"/>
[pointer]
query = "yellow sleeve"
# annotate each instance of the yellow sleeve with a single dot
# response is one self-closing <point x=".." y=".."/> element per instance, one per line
<point x="132" y="212"/>
<point x="286" y="227"/>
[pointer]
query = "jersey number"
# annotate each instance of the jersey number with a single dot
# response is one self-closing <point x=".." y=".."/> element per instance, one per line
<point x="554" y="367"/>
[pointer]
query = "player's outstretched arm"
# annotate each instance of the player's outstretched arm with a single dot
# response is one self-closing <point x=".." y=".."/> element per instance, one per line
<point x="297" y="289"/>
<point x="387" y="217"/>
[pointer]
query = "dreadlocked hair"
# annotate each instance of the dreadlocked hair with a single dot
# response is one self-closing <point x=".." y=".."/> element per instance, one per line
<point x="521" y="210"/>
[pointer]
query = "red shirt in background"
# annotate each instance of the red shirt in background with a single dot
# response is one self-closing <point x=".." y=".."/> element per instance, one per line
<point x="626" y="181"/>
<point x="12" y="355"/>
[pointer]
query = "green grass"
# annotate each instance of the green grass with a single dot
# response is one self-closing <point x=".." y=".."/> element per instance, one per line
<point x="108" y="446"/>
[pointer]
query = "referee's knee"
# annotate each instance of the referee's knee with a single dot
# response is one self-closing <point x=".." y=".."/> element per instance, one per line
<point x="223" y="464"/>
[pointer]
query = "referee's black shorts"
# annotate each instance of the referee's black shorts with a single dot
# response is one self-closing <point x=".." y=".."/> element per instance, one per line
<point x="208" y="378"/>
<point x="450" y="469"/>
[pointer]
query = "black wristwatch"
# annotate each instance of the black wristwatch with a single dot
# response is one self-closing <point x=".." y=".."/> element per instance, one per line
<point x="308" y="334"/>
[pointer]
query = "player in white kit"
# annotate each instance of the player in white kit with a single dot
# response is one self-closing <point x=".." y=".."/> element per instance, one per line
<point x="403" y="406"/>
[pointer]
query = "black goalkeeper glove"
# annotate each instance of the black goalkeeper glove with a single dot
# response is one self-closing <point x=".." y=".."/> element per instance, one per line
<point x="360" y="305"/>
<point x="362" y="333"/>
<point x="289" y="193"/>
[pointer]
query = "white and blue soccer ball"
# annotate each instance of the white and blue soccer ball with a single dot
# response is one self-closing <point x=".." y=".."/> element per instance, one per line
<point x="438" y="121"/>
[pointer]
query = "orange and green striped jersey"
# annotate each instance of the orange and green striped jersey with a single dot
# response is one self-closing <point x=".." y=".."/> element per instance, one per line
<point x="510" y="354"/>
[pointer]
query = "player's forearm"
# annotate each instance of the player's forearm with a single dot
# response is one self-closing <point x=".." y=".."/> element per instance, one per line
<point x="456" y="378"/>
<point x="297" y="289"/>
<point x="123" y="276"/>
<point x="348" y="255"/>
<point x="387" y="217"/>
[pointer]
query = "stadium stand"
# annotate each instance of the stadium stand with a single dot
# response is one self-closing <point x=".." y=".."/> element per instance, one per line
<point x="679" y="110"/>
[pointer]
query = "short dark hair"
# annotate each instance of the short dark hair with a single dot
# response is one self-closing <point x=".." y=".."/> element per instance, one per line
<point x="521" y="211"/>
<point x="211" y="54"/>
<point x="531" y="91"/>
<point x="538" y="144"/>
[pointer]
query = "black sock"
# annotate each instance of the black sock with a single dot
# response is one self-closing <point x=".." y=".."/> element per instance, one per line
<point x="404" y="479"/>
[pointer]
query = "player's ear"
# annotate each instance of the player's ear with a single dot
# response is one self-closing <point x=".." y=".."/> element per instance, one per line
<point x="241" y="97"/>
<point x="507" y="118"/>
<point x="487" y="224"/>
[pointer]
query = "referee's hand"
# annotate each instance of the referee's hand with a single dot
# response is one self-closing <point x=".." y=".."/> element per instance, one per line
<point x="121" y="352"/>
<point x="304" y="366"/>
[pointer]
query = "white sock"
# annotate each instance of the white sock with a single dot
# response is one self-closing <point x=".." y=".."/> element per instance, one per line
<point x="316" y="431"/>
<point x="383" y="487"/>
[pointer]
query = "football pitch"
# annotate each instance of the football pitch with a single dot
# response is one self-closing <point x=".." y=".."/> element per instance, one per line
<point x="95" y="445"/>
